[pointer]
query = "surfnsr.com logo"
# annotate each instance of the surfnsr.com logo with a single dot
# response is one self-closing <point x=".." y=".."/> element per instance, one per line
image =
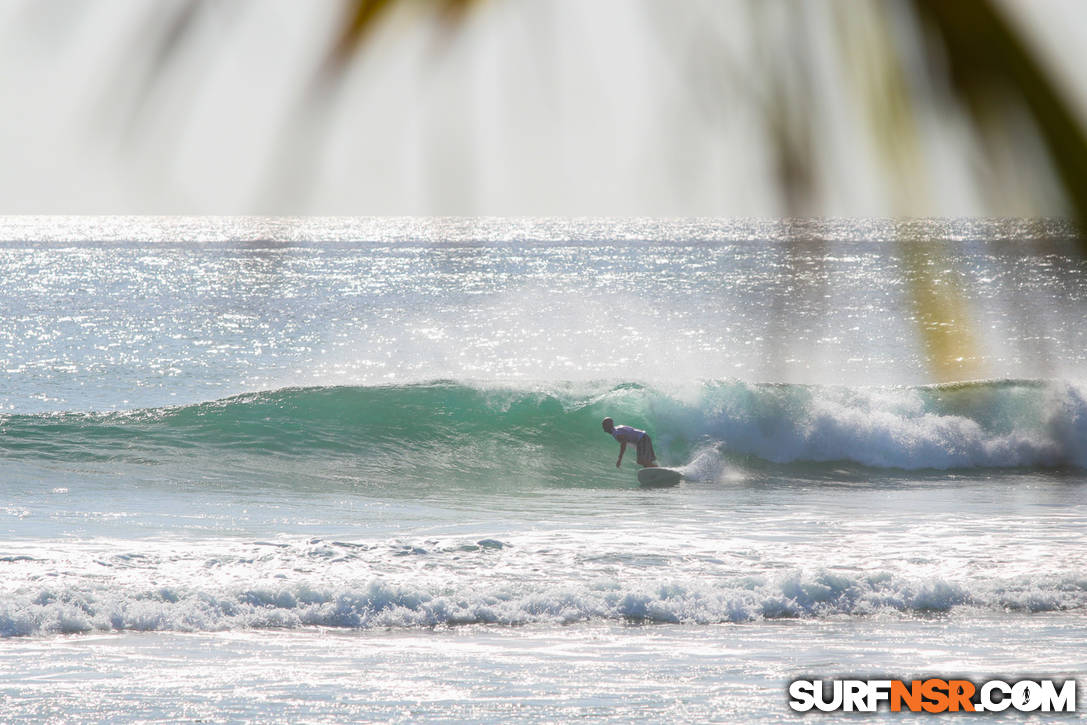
<point x="932" y="695"/>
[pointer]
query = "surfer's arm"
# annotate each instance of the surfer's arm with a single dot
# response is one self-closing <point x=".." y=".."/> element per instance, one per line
<point x="622" y="450"/>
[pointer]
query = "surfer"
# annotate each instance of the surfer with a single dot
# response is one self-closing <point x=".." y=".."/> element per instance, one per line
<point x="625" y="434"/>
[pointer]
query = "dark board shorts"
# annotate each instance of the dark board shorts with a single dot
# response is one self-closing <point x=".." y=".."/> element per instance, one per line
<point x="645" y="451"/>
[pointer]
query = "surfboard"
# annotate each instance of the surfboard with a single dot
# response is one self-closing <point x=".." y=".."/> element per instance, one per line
<point x="659" y="477"/>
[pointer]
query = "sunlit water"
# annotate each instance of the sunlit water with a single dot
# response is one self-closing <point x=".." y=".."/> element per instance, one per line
<point x="336" y="469"/>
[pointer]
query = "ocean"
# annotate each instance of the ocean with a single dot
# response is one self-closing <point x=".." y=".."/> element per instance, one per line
<point x="352" y="470"/>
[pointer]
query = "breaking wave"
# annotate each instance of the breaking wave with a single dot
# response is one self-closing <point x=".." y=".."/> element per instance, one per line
<point x="413" y="429"/>
<point x="380" y="603"/>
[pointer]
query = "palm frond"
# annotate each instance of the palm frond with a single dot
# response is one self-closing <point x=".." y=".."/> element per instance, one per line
<point x="992" y="67"/>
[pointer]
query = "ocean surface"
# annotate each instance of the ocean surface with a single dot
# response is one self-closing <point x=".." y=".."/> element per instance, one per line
<point x="352" y="470"/>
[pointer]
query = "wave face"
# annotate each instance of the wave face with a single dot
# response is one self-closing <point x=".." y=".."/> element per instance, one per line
<point x="447" y="428"/>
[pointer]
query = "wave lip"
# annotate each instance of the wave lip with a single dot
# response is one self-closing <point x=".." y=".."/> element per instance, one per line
<point x="378" y="603"/>
<point x="450" y="428"/>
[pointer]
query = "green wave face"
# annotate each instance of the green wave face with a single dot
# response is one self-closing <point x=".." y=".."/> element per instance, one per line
<point x="449" y="431"/>
<point x="421" y="432"/>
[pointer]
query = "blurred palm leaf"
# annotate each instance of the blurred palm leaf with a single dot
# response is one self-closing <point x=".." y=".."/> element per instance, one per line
<point x="990" y="66"/>
<point x="992" y="70"/>
<point x="361" y="18"/>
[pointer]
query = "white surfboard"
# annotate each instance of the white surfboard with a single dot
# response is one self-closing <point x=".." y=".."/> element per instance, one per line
<point x="659" y="477"/>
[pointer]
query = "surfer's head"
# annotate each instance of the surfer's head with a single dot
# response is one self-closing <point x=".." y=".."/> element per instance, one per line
<point x="609" y="425"/>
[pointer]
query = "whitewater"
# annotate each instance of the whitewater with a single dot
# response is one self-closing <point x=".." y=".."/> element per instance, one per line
<point x="348" y="469"/>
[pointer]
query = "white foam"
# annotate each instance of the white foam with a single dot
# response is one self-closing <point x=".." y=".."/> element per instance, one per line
<point x="379" y="603"/>
<point x="998" y="424"/>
